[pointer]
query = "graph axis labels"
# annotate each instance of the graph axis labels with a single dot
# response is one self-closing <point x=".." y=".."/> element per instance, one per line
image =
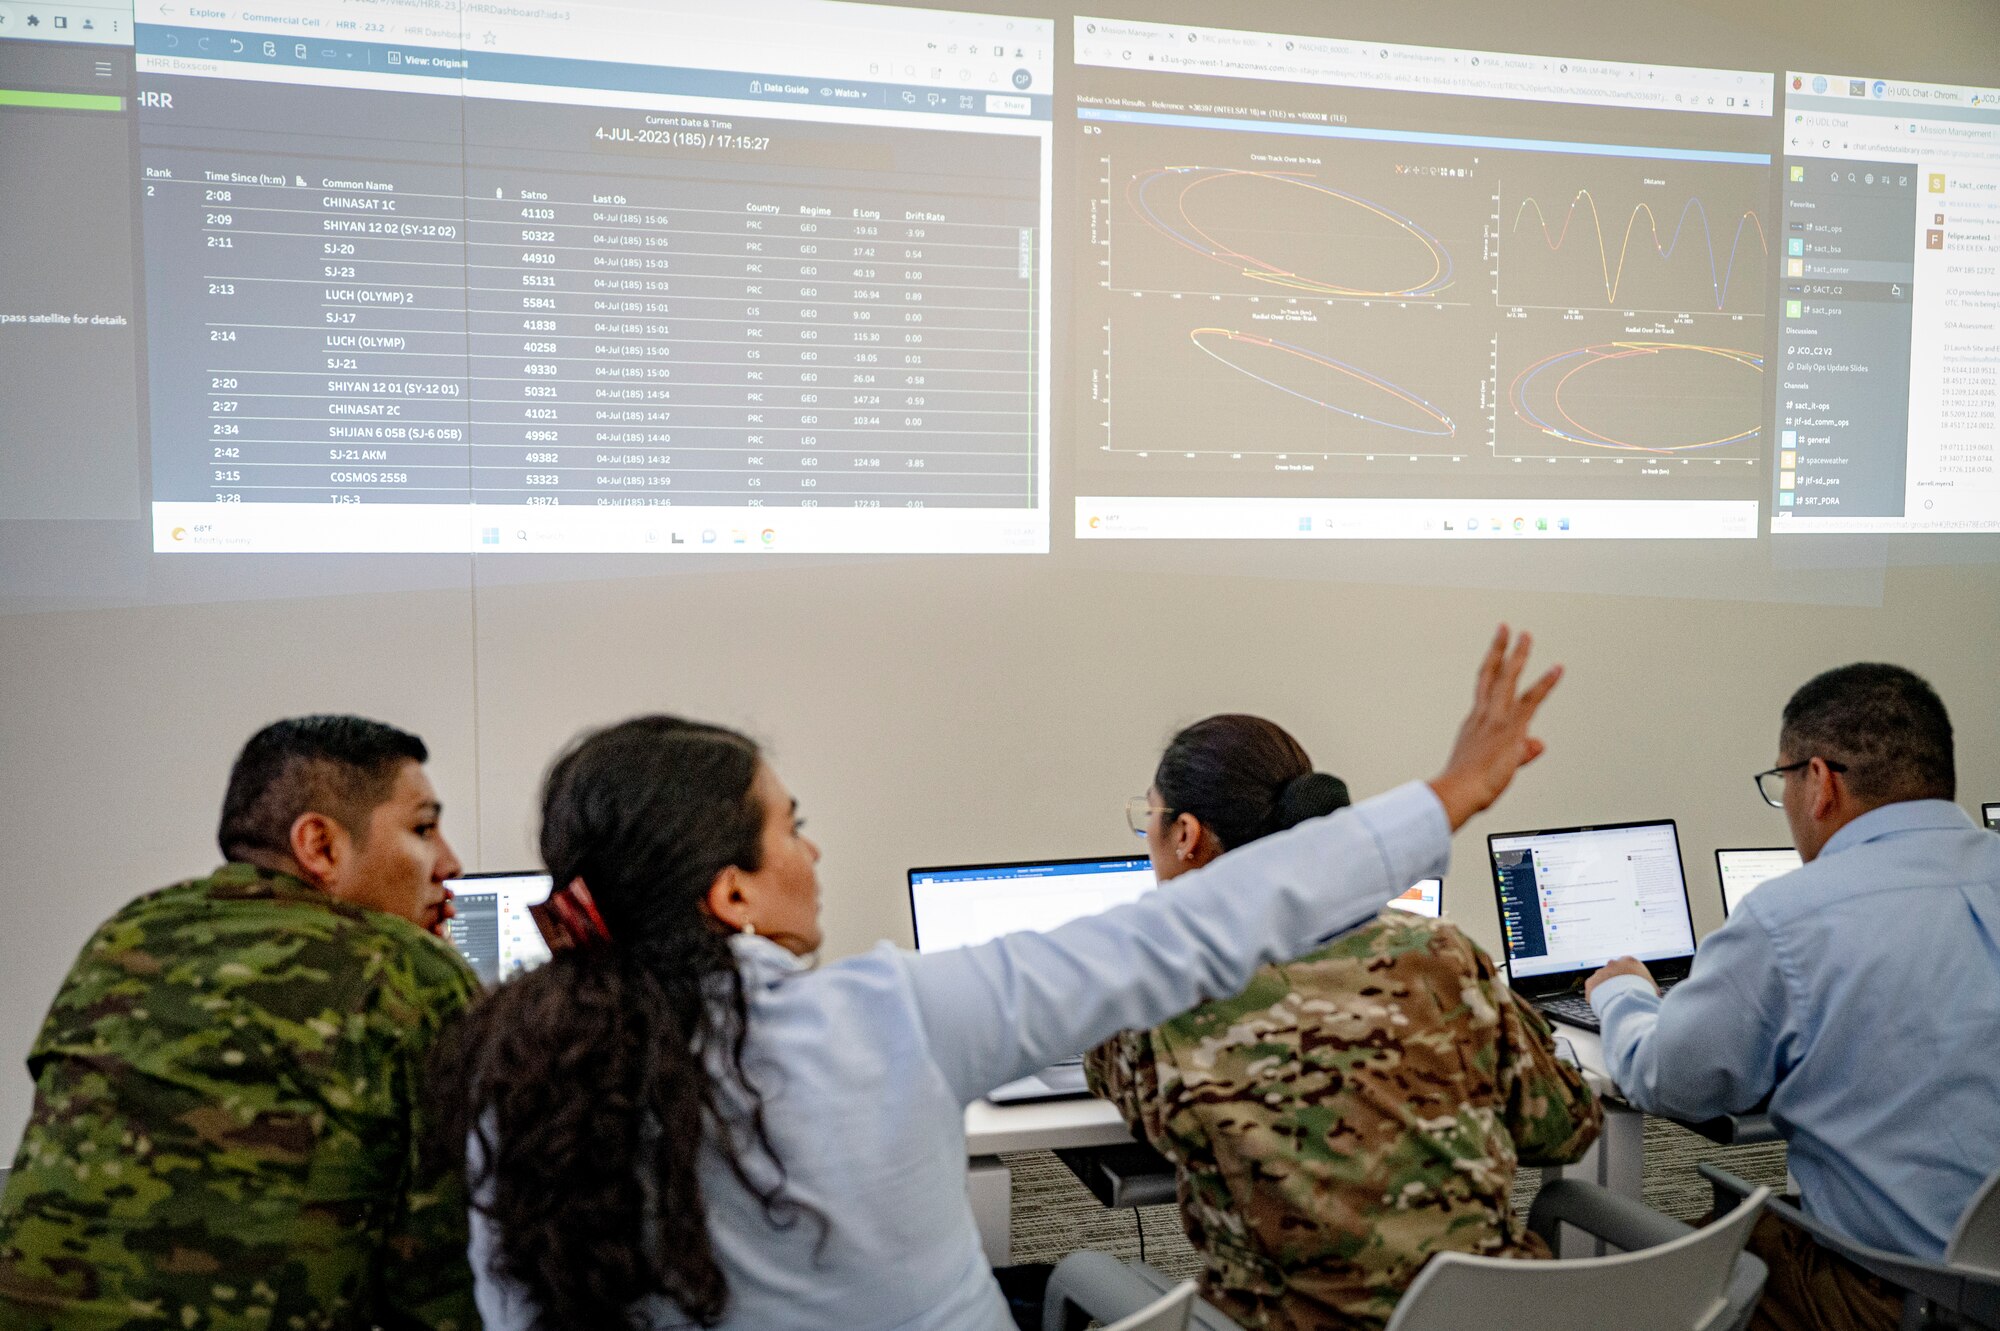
<point x="1536" y="396"/>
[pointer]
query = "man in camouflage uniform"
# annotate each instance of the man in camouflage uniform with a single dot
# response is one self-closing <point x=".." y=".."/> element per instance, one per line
<point x="1346" y="1116"/>
<point x="225" y="1131"/>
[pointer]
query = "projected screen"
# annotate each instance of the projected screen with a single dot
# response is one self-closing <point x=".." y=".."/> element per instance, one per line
<point x="606" y="280"/>
<point x="820" y="277"/>
<point x="1358" y="290"/>
<point x="1573" y="900"/>
<point x="1888" y="402"/>
<point x="964" y="907"/>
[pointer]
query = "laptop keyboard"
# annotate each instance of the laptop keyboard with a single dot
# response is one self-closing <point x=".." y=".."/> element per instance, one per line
<point x="1571" y="1008"/>
<point x="1575" y="1008"/>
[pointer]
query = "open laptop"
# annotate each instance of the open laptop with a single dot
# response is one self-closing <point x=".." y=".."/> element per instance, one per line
<point x="493" y="930"/>
<point x="1990" y="815"/>
<point x="1573" y="898"/>
<point x="1425" y="897"/>
<point x="1740" y="870"/>
<point x="965" y="905"/>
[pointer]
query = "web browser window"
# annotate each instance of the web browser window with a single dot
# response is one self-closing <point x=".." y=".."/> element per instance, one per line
<point x="1352" y="290"/>
<point x="69" y="307"/>
<point x="1888" y="395"/>
<point x="969" y="906"/>
<point x="597" y="277"/>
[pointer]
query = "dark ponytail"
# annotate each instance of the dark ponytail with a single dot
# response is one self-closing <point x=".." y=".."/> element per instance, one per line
<point x="1244" y="778"/>
<point x="592" y="1082"/>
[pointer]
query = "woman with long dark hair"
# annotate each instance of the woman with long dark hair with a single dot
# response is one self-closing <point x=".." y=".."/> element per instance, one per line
<point x="676" y="1123"/>
<point x="1351" y="1111"/>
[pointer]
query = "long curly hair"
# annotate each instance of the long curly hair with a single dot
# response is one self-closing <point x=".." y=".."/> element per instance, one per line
<point x="591" y="1085"/>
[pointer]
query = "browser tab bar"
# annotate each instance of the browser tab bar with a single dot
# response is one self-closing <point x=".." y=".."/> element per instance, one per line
<point x="64" y="21"/>
<point x="1169" y="48"/>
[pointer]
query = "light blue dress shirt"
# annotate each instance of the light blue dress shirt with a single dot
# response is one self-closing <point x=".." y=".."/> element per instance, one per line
<point x="867" y="1065"/>
<point x="1862" y="993"/>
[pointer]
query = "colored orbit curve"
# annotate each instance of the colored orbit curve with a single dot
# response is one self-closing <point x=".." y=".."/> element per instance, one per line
<point x="1445" y="426"/>
<point x="1585" y="358"/>
<point x="1186" y="234"/>
<point x="1718" y="283"/>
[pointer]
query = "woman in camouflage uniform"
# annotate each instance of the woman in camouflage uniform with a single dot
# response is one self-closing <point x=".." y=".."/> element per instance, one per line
<point x="1351" y="1112"/>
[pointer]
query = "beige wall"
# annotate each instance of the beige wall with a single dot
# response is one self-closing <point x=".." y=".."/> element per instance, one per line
<point x="923" y="712"/>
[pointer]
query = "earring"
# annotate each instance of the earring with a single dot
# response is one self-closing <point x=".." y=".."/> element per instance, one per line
<point x="749" y="929"/>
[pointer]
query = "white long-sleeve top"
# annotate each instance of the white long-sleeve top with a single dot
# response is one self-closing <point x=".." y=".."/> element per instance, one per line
<point x="867" y="1064"/>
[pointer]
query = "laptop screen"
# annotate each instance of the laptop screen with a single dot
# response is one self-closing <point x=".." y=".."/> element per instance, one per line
<point x="967" y="905"/>
<point x="1741" y="870"/>
<point x="1991" y="813"/>
<point x="1425" y="897"/>
<point x="1572" y="899"/>
<point x="493" y="930"/>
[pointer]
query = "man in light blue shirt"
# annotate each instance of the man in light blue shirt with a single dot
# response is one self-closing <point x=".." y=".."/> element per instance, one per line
<point x="1860" y="993"/>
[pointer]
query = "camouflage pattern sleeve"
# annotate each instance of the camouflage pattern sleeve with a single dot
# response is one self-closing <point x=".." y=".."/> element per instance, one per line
<point x="1126" y="1071"/>
<point x="427" y="1281"/>
<point x="1552" y="1114"/>
<point x="225" y="1123"/>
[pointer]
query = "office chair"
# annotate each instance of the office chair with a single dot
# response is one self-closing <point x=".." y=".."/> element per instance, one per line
<point x="1668" y="1277"/>
<point x="1099" y="1286"/>
<point x="1961" y="1290"/>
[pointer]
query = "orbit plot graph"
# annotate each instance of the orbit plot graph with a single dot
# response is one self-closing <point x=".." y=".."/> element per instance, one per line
<point x="1324" y="382"/>
<point x="1282" y="393"/>
<point x="1364" y="227"/>
<point x="1691" y="240"/>
<point x="1636" y="398"/>
<point x="1358" y="247"/>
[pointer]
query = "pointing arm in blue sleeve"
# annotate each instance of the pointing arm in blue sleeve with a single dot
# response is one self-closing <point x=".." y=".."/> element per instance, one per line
<point x="1006" y="1008"/>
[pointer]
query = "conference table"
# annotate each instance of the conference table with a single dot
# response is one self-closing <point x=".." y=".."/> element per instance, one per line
<point x="1616" y="1161"/>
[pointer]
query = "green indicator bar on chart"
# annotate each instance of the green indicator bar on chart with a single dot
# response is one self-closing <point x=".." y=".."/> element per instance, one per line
<point x="61" y="101"/>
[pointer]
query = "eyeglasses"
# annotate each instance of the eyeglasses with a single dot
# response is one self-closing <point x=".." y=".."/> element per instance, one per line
<point x="1765" y="785"/>
<point x="1139" y="810"/>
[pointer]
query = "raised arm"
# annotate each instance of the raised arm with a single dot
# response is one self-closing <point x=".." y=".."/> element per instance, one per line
<point x="999" y="1011"/>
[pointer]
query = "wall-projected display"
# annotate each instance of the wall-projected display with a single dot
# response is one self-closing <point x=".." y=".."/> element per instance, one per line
<point x="1345" y="290"/>
<point x="1888" y="404"/>
<point x="810" y="276"/>
<point x="525" y="293"/>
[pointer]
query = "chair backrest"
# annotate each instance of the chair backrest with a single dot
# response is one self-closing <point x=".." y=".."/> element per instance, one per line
<point x="1169" y="1312"/>
<point x="1678" y="1286"/>
<point x="1976" y="1242"/>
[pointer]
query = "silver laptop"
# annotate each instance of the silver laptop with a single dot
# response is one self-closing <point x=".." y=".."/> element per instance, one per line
<point x="1740" y="870"/>
<point x="969" y="904"/>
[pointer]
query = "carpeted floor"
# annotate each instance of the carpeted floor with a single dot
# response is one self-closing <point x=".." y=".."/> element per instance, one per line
<point x="1054" y="1215"/>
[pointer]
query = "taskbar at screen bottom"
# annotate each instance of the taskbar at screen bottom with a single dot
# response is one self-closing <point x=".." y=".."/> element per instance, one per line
<point x="1101" y="518"/>
<point x="211" y="528"/>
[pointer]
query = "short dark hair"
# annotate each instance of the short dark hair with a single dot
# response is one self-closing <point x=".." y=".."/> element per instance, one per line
<point x="1244" y="778"/>
<point x="341" y="766"/>
<point x="1884" y="722"/>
